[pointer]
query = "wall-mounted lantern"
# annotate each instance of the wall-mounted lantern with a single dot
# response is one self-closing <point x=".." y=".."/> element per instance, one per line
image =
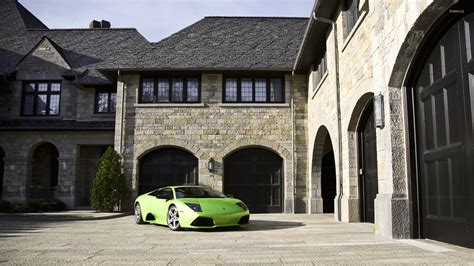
<point x="378" y="111"/>
<point x="211" y="165"/>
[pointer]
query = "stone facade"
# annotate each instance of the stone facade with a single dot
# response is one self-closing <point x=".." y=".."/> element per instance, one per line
<point x="215" y="129"/>
<point x="373" y="60"/>
<point x="45" y="63"/>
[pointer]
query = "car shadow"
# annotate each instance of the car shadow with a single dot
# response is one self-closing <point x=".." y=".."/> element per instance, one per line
<point x="256" y="225"/>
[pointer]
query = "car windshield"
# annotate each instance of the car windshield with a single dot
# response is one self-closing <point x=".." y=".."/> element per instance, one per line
<point x="197" y="192"/>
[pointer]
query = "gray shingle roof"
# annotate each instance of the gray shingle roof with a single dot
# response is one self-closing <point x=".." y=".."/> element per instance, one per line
<point x="233" y="43"/>
<point x="213" y="43"/>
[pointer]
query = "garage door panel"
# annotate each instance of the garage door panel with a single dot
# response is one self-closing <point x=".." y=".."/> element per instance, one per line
<point x="446" y="185"/>
<point x="254" y="175"/>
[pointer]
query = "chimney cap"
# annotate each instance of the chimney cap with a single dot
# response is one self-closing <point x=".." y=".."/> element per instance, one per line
<point x="94" y="24"/>
<point x="103" y="24"/>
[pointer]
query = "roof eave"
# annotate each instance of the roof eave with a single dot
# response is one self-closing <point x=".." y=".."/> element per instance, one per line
<point x="314" y="35"/>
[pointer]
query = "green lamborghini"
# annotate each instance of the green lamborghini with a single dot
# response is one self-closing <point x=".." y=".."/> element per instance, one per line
<point x="181" y="207"/>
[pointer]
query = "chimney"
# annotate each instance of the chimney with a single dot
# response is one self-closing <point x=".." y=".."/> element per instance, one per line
<point x="103" y="24"/>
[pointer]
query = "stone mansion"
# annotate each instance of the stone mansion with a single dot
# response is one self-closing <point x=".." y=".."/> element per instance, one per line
<point x="365" y="109"/>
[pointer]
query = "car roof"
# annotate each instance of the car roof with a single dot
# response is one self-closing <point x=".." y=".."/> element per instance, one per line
<point x="183" y="186"/>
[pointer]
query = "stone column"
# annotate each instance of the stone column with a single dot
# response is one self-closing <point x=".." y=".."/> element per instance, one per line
<point x="67" y="163"/>
<point x="15" y="180"/>
<point x="392" y="217"/>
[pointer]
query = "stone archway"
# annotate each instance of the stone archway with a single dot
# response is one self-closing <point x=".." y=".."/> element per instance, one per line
<point x="167" y="166"/>
<point x="323" y="174"/>
<point x="255" y="175"/>
<point x="44" y="172"/>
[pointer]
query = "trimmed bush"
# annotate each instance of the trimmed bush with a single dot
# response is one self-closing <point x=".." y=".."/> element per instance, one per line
<point x="109" y="189"/>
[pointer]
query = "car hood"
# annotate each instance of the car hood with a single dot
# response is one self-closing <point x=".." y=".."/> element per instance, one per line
<point x="215" y="204"/>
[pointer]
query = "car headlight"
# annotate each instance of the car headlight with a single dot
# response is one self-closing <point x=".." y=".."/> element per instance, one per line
<point x="242" y="205"/>
<point x="195" y="207"/>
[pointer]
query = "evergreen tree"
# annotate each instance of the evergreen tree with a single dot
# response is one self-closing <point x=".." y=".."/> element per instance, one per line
<point x="109" y="189"/>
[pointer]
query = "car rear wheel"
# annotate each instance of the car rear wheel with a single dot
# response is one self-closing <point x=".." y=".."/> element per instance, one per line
<point x="173" y="219"/>
<point x="138" y="214"/>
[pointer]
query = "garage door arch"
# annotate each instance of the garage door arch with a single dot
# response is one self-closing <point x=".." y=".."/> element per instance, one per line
<point x="255" y="175"/>
<point x="440" y="89"/>
<point x="167" y="166"/>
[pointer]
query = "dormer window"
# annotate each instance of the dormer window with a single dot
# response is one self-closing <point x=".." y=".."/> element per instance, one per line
<point x="105" y="101"/>
<point x="41" y="98"/>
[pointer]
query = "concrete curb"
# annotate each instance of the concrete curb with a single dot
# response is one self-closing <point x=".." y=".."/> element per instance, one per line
<point x="63" y="216"/>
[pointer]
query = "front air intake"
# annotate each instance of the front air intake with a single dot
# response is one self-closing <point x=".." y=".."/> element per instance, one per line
<point x="203" y="221"/>
<point x="244" y="219"/>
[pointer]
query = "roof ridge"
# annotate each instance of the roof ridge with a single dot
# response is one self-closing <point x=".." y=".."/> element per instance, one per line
<point x="82" y="29"/>
<point x="270" y="17"/>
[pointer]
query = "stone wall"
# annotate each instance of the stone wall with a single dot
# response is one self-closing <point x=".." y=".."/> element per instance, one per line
<point x="214" y="129"/>
<point x="46" y="63"/>
<point x="367" y="61"/>
<point x="19" y="147"/>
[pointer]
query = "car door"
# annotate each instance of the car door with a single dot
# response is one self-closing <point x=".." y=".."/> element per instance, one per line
<point x="160" y="206"/>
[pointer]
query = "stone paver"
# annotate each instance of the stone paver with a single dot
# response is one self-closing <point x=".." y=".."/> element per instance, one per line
<point x="270" y="239"/>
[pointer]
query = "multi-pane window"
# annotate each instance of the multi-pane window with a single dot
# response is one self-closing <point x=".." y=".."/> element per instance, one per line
<point x="41" y="98"/>
<point x="320" y="71"/>
<point x="351" y="15"/>
<point x="260" y="90"/>
<point x="231" y="90"/>
<point x="105" y="101"/>
<point x="170" y="90"/>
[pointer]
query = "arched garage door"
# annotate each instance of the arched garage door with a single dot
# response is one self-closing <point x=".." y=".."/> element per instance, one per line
<point x="255" y="175"/>
<point x="444" y="98"/>
<point x="167" y="167"/>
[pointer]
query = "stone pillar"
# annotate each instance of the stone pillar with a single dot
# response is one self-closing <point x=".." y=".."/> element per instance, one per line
<point x="392" y="218"/>
<point x="15" y="180"/>
<point x="66" y="180"/>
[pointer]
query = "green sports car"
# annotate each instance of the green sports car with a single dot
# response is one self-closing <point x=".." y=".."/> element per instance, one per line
<point x="190" y="207"/>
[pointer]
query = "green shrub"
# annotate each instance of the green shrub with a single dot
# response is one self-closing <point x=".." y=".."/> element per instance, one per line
<point x="109" y="189"/>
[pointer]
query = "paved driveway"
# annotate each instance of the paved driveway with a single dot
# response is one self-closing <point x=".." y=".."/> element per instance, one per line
<point x="287" y="239"/>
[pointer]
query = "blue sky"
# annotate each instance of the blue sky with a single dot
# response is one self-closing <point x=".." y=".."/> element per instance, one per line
<point x="157" y="19"/>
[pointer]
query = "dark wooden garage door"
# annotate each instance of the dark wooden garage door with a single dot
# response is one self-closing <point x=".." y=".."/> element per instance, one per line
<point x="2" y="166"/>
<point x="255" y="176"/>
<point x="444" y="116"/>
<point x="368" y="181"/>
<point x="167" y="167"/>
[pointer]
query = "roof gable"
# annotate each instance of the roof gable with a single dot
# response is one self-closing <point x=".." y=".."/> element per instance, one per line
<point x="48" y="51"/>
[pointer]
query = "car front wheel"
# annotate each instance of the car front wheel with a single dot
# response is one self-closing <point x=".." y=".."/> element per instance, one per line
<point x="138" y="214"/>
<point x="173" y="219"/>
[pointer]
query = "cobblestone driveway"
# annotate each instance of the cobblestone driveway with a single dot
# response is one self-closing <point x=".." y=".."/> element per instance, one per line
<point x="281" y="239"/>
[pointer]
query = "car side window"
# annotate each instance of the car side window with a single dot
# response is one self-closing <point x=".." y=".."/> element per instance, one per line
<point x="166" y="193"/>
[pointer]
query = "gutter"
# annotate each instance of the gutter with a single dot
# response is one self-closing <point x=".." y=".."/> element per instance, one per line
<point x="338" y="103"/>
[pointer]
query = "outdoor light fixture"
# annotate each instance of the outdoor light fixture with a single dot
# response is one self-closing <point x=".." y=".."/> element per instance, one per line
<point x="378" y="111"/>
<point x="210" y="165"/>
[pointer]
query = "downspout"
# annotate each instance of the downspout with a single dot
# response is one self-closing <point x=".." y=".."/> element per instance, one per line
<point x="122" y="116"/>
<point x="338" y="104"/>
<point x="293" y="157"/>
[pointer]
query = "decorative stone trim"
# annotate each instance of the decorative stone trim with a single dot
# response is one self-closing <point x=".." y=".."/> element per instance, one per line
<point x="168" y="105"/>
<point x="315" y="91"/>
<point x="261" y="105"/>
